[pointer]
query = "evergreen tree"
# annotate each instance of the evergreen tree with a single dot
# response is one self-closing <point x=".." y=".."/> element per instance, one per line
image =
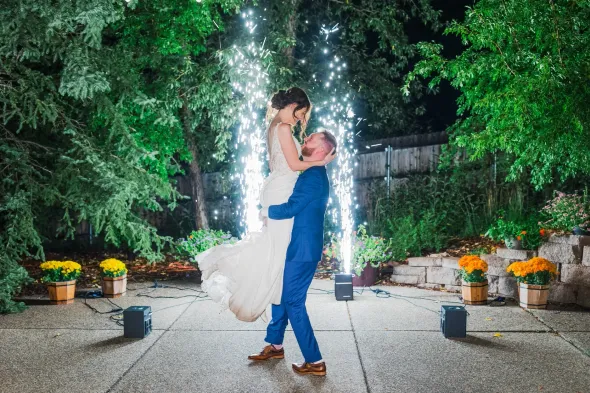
<point x="92" y="123"/>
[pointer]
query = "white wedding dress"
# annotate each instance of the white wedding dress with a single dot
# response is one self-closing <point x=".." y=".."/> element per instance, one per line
<point x="248" y="276"/>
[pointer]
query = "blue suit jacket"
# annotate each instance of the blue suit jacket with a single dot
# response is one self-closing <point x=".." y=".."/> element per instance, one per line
<point x="308" y="205"/>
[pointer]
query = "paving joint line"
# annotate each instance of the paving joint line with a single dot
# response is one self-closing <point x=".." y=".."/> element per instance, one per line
<point x="290" y="330"/>
<point x="582" y="350"/>
<point x="358" y="350"/>
<point x="110" y="389"/>
<point x="62" y="328"/>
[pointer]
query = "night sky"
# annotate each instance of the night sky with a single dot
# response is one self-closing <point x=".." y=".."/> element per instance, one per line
<point x="441" y="108"/>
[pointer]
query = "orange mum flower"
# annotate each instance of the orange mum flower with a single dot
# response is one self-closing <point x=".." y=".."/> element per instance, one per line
<point x="470" y="263"/>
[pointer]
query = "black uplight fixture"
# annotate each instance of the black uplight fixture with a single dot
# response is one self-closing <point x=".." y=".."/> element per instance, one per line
<point x="137" y="321"/>
<point x="343" y="288"/>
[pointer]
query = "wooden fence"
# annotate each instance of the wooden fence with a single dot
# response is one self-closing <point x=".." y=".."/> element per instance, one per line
<point x="407" y="155"/>
<point x="402" y="162"/>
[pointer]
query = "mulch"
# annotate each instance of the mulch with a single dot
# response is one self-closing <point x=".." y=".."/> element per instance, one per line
<point x="462" y="247"/>
<point x="139" y="270"/>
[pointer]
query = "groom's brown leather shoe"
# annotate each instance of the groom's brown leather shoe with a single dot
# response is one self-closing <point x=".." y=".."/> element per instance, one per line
<point x="269" y="352"/>
<point x="310" y="368"/>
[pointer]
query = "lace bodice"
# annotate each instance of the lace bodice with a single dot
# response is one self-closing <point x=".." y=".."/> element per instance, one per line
<point x="277" y="160"/>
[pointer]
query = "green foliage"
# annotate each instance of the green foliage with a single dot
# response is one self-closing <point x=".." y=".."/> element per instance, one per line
<point x="523" y="79"/>
<point x="534" y="236"/>
<point x="453" y="200"/>
<point x="416" y="232"/>
<point x="405" y="237"/>
<point x="187" y="86"/>
<point x="503" y="230"/>
<point x="461" y="200"/>
<point x="378" y="73"/>
<point x="12" y="277"/>
<point x="373" y="41"/>
<point x="91" y="125"/>
<point x="566" y="211"/>
<point x="480" y="250"/>
<point x="202" y="240"/>
<point x="475" y="276"/>
<point x="372" y="250"/>
<point x="538" y="278"/>
<point x="425" y="211"/>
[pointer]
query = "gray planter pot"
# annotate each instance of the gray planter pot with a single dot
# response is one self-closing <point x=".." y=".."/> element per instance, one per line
<point x="513" y="244"/>
<point x="580" y="232"/>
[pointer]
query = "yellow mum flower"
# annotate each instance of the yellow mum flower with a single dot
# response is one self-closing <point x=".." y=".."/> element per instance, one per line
<point x="113" y="266"/>
<point x="57" y="270"/>
<point x="71" y="265"/>
<point x="51" y="265"/>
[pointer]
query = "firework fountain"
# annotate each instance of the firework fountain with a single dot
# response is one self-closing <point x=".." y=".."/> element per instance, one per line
<point x="250" y="82"/>
<point x="336" y="114"/>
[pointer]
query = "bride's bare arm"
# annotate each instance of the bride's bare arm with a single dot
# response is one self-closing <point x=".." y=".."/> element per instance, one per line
<point x="290" y="151"/>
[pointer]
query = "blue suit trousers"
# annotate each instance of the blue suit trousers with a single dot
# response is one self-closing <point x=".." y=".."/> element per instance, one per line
<point x="296" y="282"/>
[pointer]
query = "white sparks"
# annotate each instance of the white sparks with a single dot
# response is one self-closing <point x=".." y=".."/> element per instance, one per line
<point x="334" y="116"/>
<point x="250" y="81"/>
<point x="327" y="31"/>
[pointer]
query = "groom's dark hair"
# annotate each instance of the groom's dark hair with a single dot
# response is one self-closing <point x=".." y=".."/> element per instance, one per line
<point x="329" y="140"/>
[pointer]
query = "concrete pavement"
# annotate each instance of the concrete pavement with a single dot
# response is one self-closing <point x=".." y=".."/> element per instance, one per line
<point x="370" y="345"/>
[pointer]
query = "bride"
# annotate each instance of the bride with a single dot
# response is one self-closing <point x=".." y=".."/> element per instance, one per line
<point x="247" y="276"/>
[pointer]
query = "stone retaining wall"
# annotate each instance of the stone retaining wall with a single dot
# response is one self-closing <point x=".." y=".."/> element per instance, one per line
<point x="570" y="253"/>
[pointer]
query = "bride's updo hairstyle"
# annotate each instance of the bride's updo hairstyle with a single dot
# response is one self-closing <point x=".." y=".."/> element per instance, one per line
<point x="294" y="95"/>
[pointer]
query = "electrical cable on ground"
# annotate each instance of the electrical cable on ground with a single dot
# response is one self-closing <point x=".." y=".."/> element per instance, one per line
<point x="380" y="293"/>
<point x="200" y="295"/>
<point x="117" y="311"/>
<point x="117" y="318"/>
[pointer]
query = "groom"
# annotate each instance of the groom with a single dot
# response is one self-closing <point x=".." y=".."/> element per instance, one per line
<point x="308" y="205"/>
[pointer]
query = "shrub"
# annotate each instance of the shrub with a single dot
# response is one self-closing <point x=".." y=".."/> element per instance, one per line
<point x="415" y="233"/>
<point x="425" y="211"/>
<point x="367" y="249"/>
<point x="12" y="277"/>
<point x="503" y="230"/>
<point x="202" y="240"/>
<point x="565" y="212"/>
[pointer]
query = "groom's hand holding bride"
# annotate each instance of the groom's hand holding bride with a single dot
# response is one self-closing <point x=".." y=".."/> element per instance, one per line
<point x="263" y="216"/>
